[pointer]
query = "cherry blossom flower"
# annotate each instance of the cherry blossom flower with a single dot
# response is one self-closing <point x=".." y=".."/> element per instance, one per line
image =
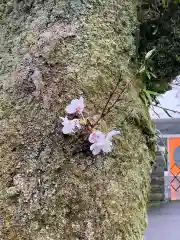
<point x="76" y="106"/>
<point x="101" y="142"/>
<point x="96" y="136"/>
<point x="70" y="125"/>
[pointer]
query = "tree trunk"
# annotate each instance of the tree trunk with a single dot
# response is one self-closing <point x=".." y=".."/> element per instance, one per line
<point x="51" y="186"/>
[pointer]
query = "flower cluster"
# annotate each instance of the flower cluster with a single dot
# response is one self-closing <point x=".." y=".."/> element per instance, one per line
<point x="100" y="141"/>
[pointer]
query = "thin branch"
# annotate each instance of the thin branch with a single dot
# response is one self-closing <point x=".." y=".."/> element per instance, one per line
<point x="175" y="84"/>
<point x="155" y="112"/>
<point x="103" y="114"/>
<point x="109" y="98"/>
<point x="119" y="97"/>
<point x="174" y="111"/>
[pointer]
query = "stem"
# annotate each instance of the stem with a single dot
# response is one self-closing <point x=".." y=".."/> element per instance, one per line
<point x="110" y="96"/>
<point x="119" y="97"/>
<point x="103" y="114"/>
<point x="174" y="111"/>
<point x="83" y="117"/>
<point x="155" y="112"/>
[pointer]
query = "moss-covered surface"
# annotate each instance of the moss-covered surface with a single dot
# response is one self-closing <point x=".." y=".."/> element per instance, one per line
<point x="160" y="30"/>
<point x="52" y="51"/>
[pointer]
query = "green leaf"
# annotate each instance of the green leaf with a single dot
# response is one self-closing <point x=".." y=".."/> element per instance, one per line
<point x="148" y="96"/>
<point x="152" y="74"/>
<point x="164" y="3"/>
<point x="152" y="92"/>
<point x="142" y="69"/>
<point x="149" y="54"/>
<point x="148" y="74"/>
<point x="144" y="99"/>
<point x="155" y="31"/>
<point x="177" y="58"/>
<point x="166" y="111"/>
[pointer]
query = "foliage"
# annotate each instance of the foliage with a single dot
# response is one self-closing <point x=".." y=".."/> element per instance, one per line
<point x="159" y="34"/>
<point x="148" y="96"/>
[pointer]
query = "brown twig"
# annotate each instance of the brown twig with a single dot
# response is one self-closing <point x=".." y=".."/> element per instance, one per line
<point x="175" y="84"/>
<point x="119" y="97"/>
<point x="107" y="102"/>
<point x="155" y="112"/>
<point x="103" y="114"/>
<point x="174" y="111"/>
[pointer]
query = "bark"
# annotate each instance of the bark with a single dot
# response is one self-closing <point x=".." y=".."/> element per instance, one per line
<point x="51" y="187"/>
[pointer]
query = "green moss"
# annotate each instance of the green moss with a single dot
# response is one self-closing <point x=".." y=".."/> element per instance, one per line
<point x="66" y="193"/>
<point x="6" y="109"/>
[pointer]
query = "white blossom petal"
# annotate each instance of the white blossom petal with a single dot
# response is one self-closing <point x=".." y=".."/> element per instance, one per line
<point x="111" y="134"/>
<point x="76" y="105"/>
<point x="101" y="142"/>
<point x="96" y="136"/>
<point x="70" y="109"/>
<point x="107" y="147"/>
<point x="70" y="125"/>
<point x="95" y="148"/>
<point x="67" y="129"/>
